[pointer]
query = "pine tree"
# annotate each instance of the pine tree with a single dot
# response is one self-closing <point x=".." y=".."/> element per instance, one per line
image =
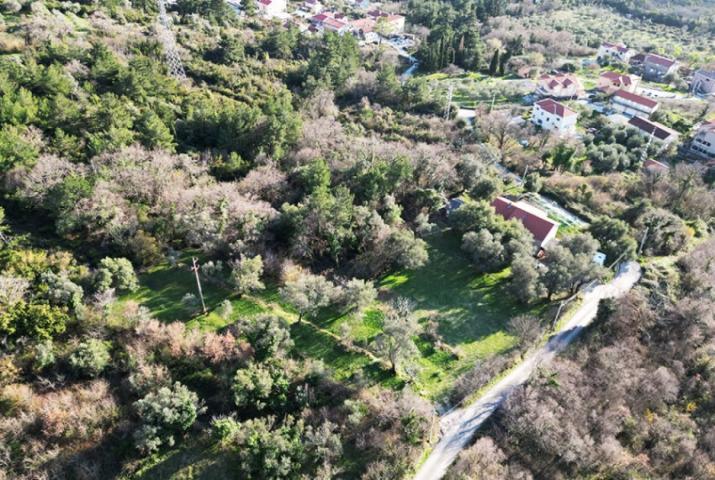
<point x="494" y="64"/>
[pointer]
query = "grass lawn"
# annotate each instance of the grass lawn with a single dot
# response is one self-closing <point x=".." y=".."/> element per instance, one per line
<point x="163" y="286"/>
<point x="471" y="311"/>
<point x="471" y="90"/>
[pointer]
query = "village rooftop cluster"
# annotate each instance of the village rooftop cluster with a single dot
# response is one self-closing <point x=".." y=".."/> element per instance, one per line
<point x="626" y="101"/>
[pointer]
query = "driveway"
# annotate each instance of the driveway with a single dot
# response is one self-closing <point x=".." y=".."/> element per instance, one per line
<point x="461" y="425"/>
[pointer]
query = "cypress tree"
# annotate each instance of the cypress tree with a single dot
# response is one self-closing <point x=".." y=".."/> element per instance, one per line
<point x="494" y="64"/>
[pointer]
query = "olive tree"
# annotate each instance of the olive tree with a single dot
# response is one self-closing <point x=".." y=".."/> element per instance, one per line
<point x="246" y="274"/>
<point x="399" y="327"/>
<point x="308" y="294"/>
<point x="165" y="413"/>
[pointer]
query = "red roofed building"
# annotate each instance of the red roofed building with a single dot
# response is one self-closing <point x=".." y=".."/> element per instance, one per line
<point x="632" y="104"/>
<point x="551" y="115"/>
<point x="330" y="21"/>
<point x="659" y="132"/>
<point x="656" y="67"/>
<point x="335" y="25"/>
<point x="561" y="86"/>
<point x="535" y="220"/>
<point x="615" y="51"/>
<point x="392" y="23"/>
<point x="610" y="82"/>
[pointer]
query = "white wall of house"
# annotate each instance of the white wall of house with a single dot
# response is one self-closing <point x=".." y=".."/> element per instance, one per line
<point x="613" y="52"/>
<point x="550" y="121"/>
<point x="628" y="107"/>
<point x="704" y="81"/>
<point x="704" y="143"/>
<point x="277" y="8"/>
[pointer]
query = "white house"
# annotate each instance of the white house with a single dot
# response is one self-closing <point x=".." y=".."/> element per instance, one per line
<point x="631" y="104"/>
<point x="615" y="51"/>
<point x="560" y="86"/>
<point x="551" y="115"/>
<point x="704" y="81"/>
<point x="703" y="143"/>
<point x="311" y="6"/>
<point x="656" y="67"/>
<point x="364" y="29"/>
<point x="390" y="23"/>
<point x="610" y="82"/>
<point x="272" y="8"/>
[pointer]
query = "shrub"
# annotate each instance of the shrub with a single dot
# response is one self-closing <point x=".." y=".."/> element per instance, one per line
<point x="9" y="372"/>
<point x="117" y="273"/>
<point x="165" y="413"/>
<point x="34" y="320"/>
<point x="261" y="385"/>
<point x="81" y="412"/>
<point x="148" y="377"/>
<point x="44" y="355"/>
<point x="224" y="429"/>
<point x="90" y="358"/>
<point x="269" y="336"/>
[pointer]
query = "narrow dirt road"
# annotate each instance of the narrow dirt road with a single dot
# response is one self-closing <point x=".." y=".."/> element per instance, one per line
<point x="460" y="425"/>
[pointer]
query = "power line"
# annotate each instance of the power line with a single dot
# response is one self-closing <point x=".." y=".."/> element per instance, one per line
<point x="166" y="37"/>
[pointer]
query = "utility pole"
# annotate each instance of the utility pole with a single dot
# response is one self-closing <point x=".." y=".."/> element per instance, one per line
<point x="166" y="37"/>
<point x="644" y="155"/>
<point x="195" y="269"/>
<point x="449" y="101"/>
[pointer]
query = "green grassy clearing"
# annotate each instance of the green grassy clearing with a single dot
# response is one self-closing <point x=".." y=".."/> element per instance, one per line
<point x="471" y="90"/>
<point x="471" y="311"/>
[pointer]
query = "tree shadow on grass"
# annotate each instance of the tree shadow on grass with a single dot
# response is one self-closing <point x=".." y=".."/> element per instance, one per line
<point x="467" y="306"/>
<point x="200" y="462"/>
<point x="345" y="365"/>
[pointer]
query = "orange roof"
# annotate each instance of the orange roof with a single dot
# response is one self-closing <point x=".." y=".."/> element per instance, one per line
<point x="555" y="108"/>
<point x="535" y="221"/>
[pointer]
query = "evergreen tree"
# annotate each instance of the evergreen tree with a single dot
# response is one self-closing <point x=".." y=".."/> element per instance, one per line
<point x="494" y="64"/>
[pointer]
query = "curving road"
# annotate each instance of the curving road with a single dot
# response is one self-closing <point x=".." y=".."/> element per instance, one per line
<point x="460" y="425"/>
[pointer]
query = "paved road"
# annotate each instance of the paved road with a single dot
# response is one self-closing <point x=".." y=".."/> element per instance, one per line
<point x="461" y="425"/>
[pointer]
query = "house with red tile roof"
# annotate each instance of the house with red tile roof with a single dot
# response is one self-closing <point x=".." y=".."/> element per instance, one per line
<point x="392" y="23"/>
<point x="657" y="131"/>
<point x="552" y="115"/>
<point x="330" y="21"/>
<point x="560" y="86"/>
<point x="631" y="104"/>
<point x="615" y="51"/>
<point x="609" y="82"/>
<point x="364" y="29"/>
<point x="534" y="220"/>
<point x="657" y="67"/>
